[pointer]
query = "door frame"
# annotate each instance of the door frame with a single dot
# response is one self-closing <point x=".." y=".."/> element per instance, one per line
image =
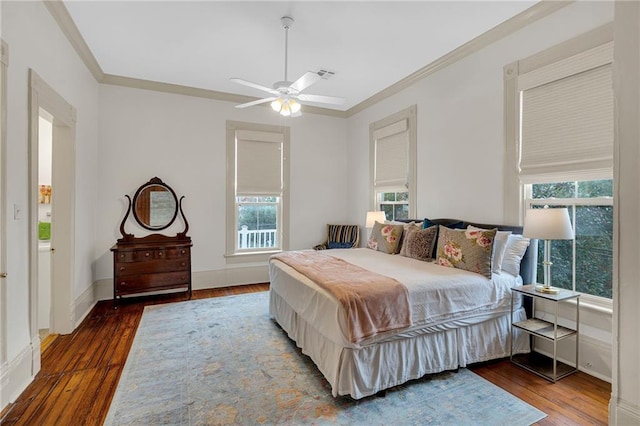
<point x="42" y="96"/>
<point x="4" y="64"/>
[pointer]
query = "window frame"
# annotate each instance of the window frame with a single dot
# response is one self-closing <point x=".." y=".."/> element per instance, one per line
<point x="278" y="204"/>
<point x="409" y="114"/>
<point x="515" y="197"/>
<point x="380" y="201"/>
<point x="571" y="203"/>
<point x="232" y="253"/>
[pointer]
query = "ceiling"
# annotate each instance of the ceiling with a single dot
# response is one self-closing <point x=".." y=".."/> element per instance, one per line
<point x="370" y="45"/>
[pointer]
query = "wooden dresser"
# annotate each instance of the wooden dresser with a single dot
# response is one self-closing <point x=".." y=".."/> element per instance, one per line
<point x="154" y="262"/>
<point x="146" y="266"/>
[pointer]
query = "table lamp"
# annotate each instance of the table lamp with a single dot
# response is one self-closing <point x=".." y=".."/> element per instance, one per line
<point x="548" y="224"/>
<point x="373" y="217"/>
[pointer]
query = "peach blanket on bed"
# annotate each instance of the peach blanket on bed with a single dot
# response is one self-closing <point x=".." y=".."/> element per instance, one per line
<point x="373" y="303"/>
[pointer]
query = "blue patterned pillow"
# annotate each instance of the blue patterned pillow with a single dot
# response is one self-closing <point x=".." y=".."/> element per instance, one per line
<point x="339" y="245"/>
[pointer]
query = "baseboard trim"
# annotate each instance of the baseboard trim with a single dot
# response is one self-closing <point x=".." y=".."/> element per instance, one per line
<point x="594" y="356"/>
<point x="83" y="305"/>
<point x="16" y="375"/>
<point x="201" y="280"/>
<point x="622" y="413"/>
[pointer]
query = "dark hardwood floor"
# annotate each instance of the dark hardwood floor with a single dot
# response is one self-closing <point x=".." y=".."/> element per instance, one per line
<point x="80" y="372"/>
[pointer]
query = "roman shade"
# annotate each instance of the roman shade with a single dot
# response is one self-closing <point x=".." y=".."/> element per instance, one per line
<point x="258" y="163"/>
<point x="567" y="119"/>
<point x="392" y="156"/>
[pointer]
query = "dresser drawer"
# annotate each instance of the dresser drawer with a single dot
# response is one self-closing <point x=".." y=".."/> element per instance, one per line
<point x="139" y="255"/>
<point x="152" y="266"/>
<point x="151" y="282"/>
<point x="151" y="254"/>
<point x="177" y="253"/>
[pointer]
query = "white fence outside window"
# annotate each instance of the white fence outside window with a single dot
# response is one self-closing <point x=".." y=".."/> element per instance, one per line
<point x="256" y="239"/>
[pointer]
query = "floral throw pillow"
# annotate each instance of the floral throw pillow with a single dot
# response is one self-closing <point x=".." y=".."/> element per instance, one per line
<point x="468" y="249"/>
<point x="419" y="244"/>
<point x="385" y="237"/>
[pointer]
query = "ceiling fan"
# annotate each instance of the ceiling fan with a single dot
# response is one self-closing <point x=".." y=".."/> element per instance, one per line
<point x="285" y="95"/>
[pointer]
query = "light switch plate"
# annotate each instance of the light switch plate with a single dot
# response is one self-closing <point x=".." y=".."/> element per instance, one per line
<point x="17" y="212"/>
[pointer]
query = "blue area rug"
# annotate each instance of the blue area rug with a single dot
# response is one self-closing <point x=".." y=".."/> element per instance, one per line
<point x="224" y="361"/>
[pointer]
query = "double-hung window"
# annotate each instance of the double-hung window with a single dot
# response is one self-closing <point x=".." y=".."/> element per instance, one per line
<point x="393" y="153"/>
<point x="565" y="159"/>
<point x="584" y="264"/>
<point x="257" y="174"/>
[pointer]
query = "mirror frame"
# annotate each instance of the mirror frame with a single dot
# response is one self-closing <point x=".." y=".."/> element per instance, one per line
<point x="154" y="182"/>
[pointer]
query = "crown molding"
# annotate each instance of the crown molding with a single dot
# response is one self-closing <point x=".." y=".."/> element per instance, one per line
<point x="519" y="21"/>
<point x="58" y="10"/>
<point x="136" y="83"/>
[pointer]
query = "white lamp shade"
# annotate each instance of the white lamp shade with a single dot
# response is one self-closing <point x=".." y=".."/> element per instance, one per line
<point x="548" y="224"/>
<point x="373" y="217"/>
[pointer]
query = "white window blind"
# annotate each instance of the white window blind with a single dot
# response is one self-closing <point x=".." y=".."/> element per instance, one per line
<point x="392" y="155"/>
<point x="567" y="121"/>
<point x="258" y="163"/>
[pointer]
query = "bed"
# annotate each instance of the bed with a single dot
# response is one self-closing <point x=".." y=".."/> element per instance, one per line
<point x="457" y="318"/>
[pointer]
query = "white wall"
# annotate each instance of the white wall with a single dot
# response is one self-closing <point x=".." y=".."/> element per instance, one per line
<point x="35" y="41"/>
<point x="182" y="140"/>
<point x="460" y="122"/>
<point x="461" y="145"/>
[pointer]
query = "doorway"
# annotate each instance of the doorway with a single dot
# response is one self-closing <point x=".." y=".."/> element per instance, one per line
<point x="45" y="194"/>
<point x="60" y="123"/>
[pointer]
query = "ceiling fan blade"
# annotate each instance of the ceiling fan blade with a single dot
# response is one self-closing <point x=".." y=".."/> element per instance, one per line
<point x="305" y="81"/>
<point x="257" y="102"/>
<point x="254" y="85"/>
<point x="321" y="99"/>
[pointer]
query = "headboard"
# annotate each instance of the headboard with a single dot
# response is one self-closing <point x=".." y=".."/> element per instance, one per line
<point x="528" y="265"/>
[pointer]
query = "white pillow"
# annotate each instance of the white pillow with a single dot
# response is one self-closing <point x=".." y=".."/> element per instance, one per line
<point x="516" y="246"/>
<point x="499" y="246"/>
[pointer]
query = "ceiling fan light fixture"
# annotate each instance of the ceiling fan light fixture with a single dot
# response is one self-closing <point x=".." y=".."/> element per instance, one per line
<point x="276" y="105"/>
<point x="286" y="107"/>
<point x="295" y="106"/>
<point x="285" y="95"/>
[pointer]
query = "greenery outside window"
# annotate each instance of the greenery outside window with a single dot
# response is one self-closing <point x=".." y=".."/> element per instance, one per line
<point x="258" y="223"/>
<point x="395" y="205"/>
<point x="584" y="264"/>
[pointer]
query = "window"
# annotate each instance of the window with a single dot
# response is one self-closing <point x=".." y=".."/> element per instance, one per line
<point x="395" y="205"/>
<point x="257" y="188"/>
<point x="559" y="127"/>
<point x="584" y="264"/>
<point x="392" y="162"/>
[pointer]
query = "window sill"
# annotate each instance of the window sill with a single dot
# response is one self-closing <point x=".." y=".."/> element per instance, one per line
<point x="250" y="257"/>
<point x="595" y="304"/>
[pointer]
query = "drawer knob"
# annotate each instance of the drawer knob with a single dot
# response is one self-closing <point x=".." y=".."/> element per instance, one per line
<point x="147" y="254"/>
<point x="122" y="268"/>
<point x="183" y="252"/>
<point x="123" y="283"/>
<point x="183" y="264"/>
<point x="160" y="254"/>
<point x="122" y="255"/>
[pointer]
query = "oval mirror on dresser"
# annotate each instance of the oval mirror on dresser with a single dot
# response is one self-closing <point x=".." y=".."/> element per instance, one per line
<point x="154" y="262"/>
<point x="155" y="205"/>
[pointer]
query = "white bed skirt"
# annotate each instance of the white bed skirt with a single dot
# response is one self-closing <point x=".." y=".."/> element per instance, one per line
<point x="361" y="372"/>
